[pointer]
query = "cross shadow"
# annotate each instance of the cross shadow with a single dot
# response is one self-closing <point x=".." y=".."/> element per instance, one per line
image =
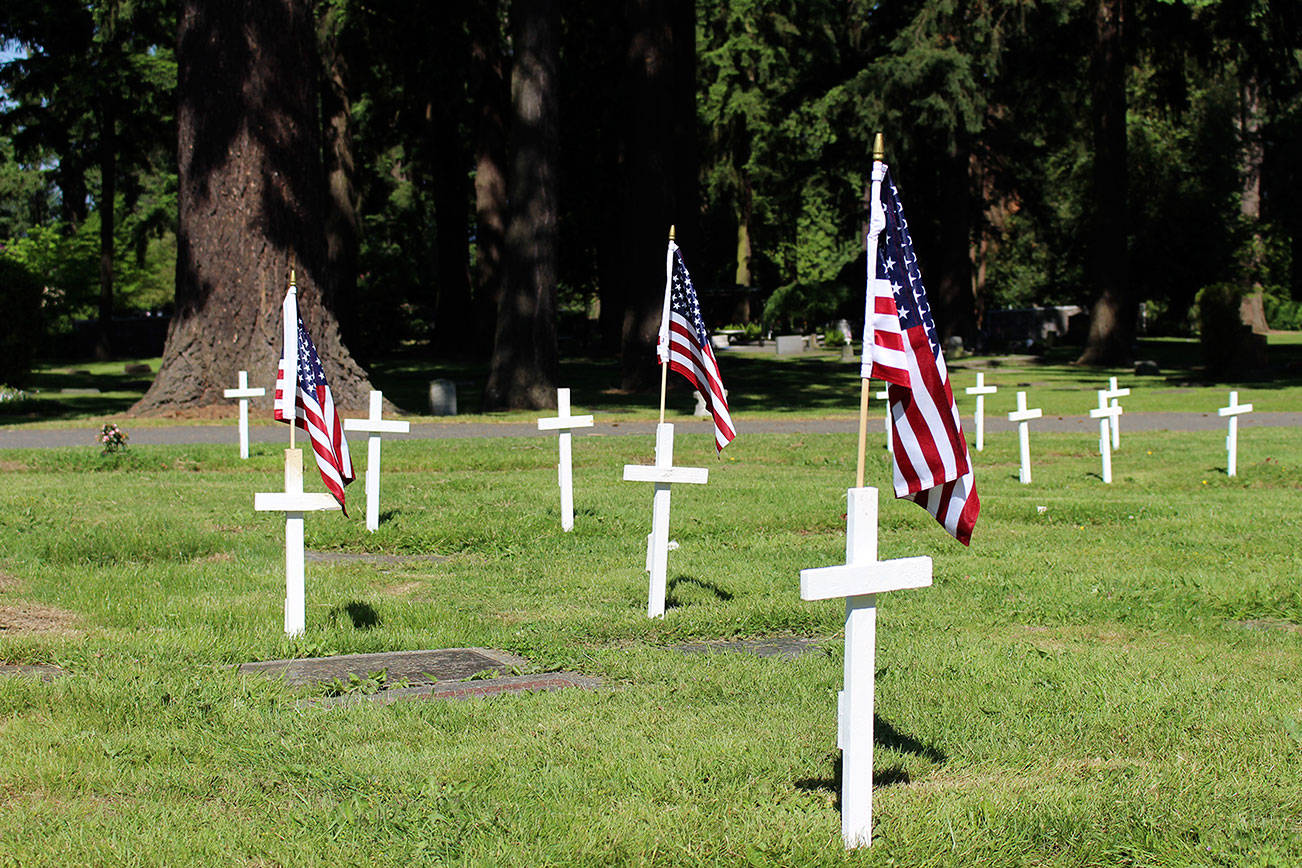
<point x="387" y="515"/>
<point x="672" y="586"/>
<point x="363" y="615"/>
<point x="884" y="736"/>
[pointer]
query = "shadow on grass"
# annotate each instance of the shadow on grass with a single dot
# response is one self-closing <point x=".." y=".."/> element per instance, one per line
<point x="884" y="736"/>
<point x="671" y="590"/>
<point x="362" y="615"/>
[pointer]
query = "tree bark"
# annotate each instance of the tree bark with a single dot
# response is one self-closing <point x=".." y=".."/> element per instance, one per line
<point x="489" y="97"/>
<point x="343" y="205"/>
<point x="251" y="204"/>
<point x="1112" y="320"/>
<point x="108" y="171"/>
<point x="525" y="358"/>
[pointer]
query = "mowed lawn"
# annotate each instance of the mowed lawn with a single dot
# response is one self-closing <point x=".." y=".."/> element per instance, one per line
<point x="1110" y="675"/>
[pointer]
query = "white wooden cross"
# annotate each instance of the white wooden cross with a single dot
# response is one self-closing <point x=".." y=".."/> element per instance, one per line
<point x="885" y="395"/>
<point x="858" y="581"/>
<point x="1107" y="418"/>
<point x="663" y="474"/>
<point x="244" y="393"/>
<point x="981" y="390"/>
<point x="1023" y="417"/>
<point x="375" y="426"/>
<point x="1113" y="394"/>
<point x="294" y="501"/>
<point x="1232" y="439"/>
<point x="563" y="422"/>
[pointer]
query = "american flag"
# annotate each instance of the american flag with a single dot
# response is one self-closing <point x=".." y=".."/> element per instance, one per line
<point x="685" y="344"/>
<point x="315" y="413"/>
<point x="932" y="466"/>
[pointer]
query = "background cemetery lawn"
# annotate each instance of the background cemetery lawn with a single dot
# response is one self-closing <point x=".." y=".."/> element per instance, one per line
<point x="1112" y="679"/>
<point x="815" y="384"/>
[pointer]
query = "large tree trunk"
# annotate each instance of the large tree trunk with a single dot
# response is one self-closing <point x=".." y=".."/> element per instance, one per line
<point x="659" y="166"/>
<point x="453" y="308"/>
<point x="524" y="364"/>
<point x="954" y="307"/>
<point x="251" y="205"/>
<point x="489" y="97"/>
<point x="108" y="190"/>
<point x="342" y="216"/>
<point x="1112" y="320"/>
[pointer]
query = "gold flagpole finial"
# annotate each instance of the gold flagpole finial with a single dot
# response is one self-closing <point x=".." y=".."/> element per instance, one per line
<point x="671" y="232"/>
<point x="879" y="147"/>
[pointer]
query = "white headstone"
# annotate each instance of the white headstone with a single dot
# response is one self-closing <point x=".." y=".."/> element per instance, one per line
<point x="1113" y="394"/>
<point x="1105" y="414"/>
<point x="663" y="474"/>
<point x="1232" y="439"/>
<point x="244" y="393"/>
<point x="563" y="422"/>
<point x="981" y="390"/>
<point x="1023" y="417"/>
<point x="294" y="501"/>
<point x="859" y="580"/>
<point x="442" y="398"/>
<point x="375" y="426"/>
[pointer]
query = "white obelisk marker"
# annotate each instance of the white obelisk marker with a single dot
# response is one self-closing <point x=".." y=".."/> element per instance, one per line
<point x="1106" y="416"/>
<point x="885" y="395"/>
<point x="1232" y="439"/>
<point x="859" y="580"/>
<point x="294" y="501"/>
<point x="244" y="393"/>
<point x="375" y="426"/>
<point x="981" y="390"/>
<point x="564" y="422"/>
<point x="1022" y="417"/>
<point x="1113" y="394"/>
<point x="663" y="474"/>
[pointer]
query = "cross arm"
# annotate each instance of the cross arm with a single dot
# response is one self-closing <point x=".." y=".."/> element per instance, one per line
<point x="283" y="501"/>
<point x="377" y="426"/>
<point x="854" y="580"/>
<point x="651" y="473"/>
<point x="1235" y="410"/>
<point x="1025" y="415"/>
<point x="1100" y="412"/>
<point x="554" y="423"/>
<point x="245" y="393"/>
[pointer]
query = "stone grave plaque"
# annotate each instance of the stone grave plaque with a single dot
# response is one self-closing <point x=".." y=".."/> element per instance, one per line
<point x="417" y="667"/>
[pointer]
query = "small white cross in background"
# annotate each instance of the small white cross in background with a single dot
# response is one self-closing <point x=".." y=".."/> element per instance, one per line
<point x="663" y="474"/>
<point x="564" y="422"/>
<point x="375" y="426"/>
<point x="1113" y="394"/>
<point x="294" y="501"/>
<point x="1106" y="416"/>
<point x="244" y="393"/>
<point x="1023" y="417"/>
<point x="981" y="390"/>
<point x="1232" y="439"/>
<point x="859" y="580"/>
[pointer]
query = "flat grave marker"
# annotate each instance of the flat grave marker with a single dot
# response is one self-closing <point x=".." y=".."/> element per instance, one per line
<point x="979" y="415"/>
<point x="1022" y="416"/>
<point x="859" y="580"/>
<point x="375" y="426"/>
<point x="1106" y="414"/>
<point x="564" y="423"/>
<point x="1232" y="438"/>
<point x="663" y="474"/>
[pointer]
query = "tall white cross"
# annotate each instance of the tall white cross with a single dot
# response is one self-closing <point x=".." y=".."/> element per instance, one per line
<point x="859" y="580"/>
<point x="244" y="393"/>
<point x="1023" y="417"/>
<point x="564" y="422"/>
<point x="1232" y="439"/>
<point x="294" y="501"/>
<point x="663" y="474"/>
<point x="375" y="426"/>
<point x="981" y="390"/>
<point x="885" y="395"/>
<point x="1113" y="394"/>
<point x="1107" y="416"/>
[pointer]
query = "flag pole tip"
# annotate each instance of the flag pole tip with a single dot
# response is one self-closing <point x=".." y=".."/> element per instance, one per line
<point x="671" y="232"/>
<point x="879" y="147"/>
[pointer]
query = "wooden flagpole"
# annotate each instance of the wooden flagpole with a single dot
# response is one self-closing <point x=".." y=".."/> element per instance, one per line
<point x="664" y="363"/>
<point x="293" y="419"/>
<point x="879" y="153"/>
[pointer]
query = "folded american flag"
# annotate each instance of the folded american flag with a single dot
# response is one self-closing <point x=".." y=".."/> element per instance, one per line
<point x="314" y="409"/>
<point x="932" y="466"/>
<point x="685" y="345"/>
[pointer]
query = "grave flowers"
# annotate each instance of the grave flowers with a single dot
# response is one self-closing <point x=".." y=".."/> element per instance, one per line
<point x="112" y="439"/>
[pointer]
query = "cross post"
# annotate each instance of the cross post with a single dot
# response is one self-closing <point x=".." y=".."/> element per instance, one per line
<point x="244" y="393"/>
<point x="294" y="501"/>
<point x="663" y="474"/>
<point x="1023" y="417"/>
<point x="375" y="426"/>
<point x="981" y="390"/>
<point x="1106" y="415"/>
<point x="1113" y="394"/>
<point x="1232" y="439"/>
<point x="859" y="580"/>
<point x="885" y="395"/>
<point x="563" y="422"/>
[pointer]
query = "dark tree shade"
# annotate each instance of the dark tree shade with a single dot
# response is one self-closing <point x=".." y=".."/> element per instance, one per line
<point x="252" y="201"/>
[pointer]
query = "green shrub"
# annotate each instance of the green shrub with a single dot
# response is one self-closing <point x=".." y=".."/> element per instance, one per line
<point x="1283" y="313"/>
<point x="20" y="320"/>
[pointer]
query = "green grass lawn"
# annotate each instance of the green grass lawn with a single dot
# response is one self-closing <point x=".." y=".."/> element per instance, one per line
<point x="1083" y="686"/>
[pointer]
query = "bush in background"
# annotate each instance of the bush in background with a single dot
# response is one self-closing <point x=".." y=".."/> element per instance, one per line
<point x="20" y="320"/>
